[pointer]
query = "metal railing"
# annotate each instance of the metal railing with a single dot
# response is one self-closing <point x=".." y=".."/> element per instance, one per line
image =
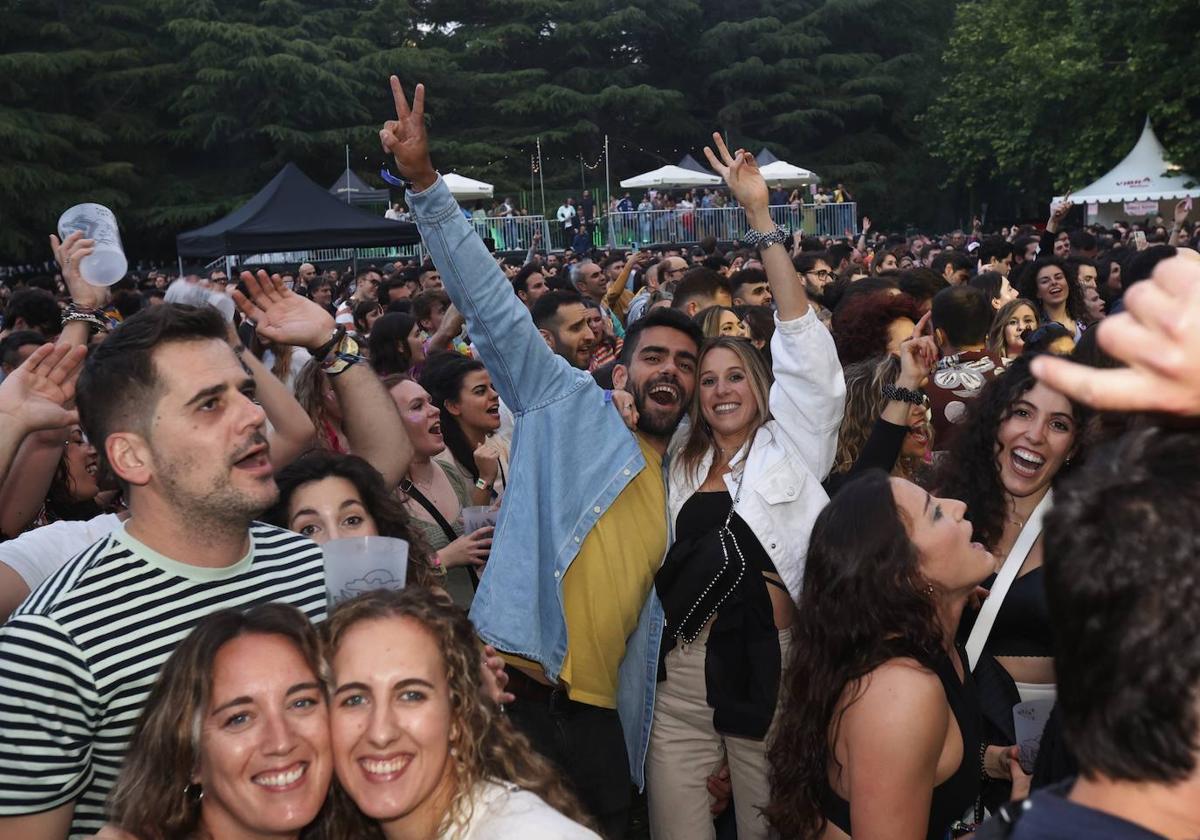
<point x="726" y="224"/>
<point x="618" y="230"/>
<point x="317" y="256"/>
<point x="512" y="233"/>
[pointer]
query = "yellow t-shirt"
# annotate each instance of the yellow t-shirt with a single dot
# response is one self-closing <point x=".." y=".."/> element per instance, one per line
<point x="605" y="589"/>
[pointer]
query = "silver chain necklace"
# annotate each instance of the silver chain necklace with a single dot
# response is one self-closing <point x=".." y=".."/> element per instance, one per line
<point x="726" y="533"/>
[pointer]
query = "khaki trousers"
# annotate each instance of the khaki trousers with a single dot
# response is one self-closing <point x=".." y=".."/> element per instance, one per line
<point x="685" y="750"/>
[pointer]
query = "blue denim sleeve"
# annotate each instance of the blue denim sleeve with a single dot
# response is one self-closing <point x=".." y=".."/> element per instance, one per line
<point x="524" y="371"/>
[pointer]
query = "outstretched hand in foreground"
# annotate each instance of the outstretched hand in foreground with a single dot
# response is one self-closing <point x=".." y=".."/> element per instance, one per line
<point x="1157" y="336"/>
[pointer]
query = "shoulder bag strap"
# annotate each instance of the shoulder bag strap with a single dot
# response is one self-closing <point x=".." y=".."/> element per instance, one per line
<point x="1008" y="573"/>
<point x="417" y="496"/>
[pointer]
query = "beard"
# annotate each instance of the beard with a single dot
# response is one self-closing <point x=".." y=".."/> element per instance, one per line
<point x="654" y="419"/>
<point x="209" y="496"/>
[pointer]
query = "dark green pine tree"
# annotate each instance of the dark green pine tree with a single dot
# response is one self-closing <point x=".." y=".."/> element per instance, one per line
<point x="567" y="72"/>
<point x="75" y="78"/>
<point x="263" y="84"/>
<point x="828" y="84"/>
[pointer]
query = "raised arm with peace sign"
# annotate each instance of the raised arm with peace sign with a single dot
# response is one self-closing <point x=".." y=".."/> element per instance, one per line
<point x="405" y="139"/>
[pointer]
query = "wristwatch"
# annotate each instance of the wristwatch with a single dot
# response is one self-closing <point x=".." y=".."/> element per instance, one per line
<point x="759" y="240"/>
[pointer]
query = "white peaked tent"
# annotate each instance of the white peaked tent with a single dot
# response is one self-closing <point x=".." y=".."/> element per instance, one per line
<point x="1143" y="184"/>
<point x="462" y="187"/>
<point x="671" y="177"/>
<point x="780" y="173"/>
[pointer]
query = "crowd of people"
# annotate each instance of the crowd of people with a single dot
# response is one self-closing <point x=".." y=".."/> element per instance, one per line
<point x="793" y="534"/>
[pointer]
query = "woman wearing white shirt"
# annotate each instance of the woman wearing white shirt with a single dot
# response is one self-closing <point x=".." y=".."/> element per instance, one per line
<point x="744" y="492"/>
<point x="419" y="752"/>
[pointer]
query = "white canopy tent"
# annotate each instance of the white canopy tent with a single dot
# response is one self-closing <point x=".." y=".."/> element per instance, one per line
<point x="780" y="173"/>
<point x="1143" y="184"/>
<point x="462" y="187"/>
<point x="783" y="174"/>
<point x="671" y="177"/>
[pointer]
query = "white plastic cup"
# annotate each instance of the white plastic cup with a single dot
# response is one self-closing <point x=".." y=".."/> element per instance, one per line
<point x="106" y="264"/>
<point x="355" y="565"/>
<point x="1029" y="721"/>
<point x="480" y="516"/>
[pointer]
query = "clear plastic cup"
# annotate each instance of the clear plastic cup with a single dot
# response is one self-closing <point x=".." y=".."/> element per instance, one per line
<point x="106" y="264"/>
<point x="355" y="565"/>
<point x="481" y="516"/>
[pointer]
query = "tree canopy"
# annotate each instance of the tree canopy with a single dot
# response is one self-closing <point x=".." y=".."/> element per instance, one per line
<point x="173" y="112"/>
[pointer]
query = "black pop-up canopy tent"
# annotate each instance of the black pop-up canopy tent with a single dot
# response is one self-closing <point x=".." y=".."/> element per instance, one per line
<point x="351" y="189"/>
<point x="292" y="213"/>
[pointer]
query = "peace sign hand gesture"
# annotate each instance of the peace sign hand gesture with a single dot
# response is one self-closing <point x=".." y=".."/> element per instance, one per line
<point x="741" y="173"/>
<point x="405" y="139"/>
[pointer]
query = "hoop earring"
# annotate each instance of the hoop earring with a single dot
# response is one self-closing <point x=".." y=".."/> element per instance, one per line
<point x="193" y="793"/>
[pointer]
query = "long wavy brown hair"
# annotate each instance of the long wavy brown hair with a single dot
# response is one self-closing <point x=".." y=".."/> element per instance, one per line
<point x="700" y="437"/>
<point x="150" y="800"/>
<point x="864" y="403"/>
<point x="486" y="745"/>
<point x="860" y="554"/>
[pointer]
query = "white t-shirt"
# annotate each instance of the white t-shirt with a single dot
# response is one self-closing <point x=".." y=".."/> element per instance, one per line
<point x="39" y="553"/>
<point x="503" y="812"/>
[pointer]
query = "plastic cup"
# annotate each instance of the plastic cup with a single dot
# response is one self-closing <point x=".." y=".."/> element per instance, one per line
<point x="481" y="516"/>
<point x="1029" y="720"/>
<point x="355" y="565"/>
<point x="106" y="264"/>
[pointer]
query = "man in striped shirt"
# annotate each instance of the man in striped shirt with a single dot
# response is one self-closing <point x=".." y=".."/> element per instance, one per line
<point x="171" y="410"/>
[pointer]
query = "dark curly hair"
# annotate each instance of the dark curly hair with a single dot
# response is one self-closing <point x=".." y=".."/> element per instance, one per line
<point x="1027" y="286"/>
<point x="970" y="472"/>
<point x="877" y="569"/>
<point x="391" y="519"/>
<point x="860" y="324"/>
<point x="1121" y="548"/>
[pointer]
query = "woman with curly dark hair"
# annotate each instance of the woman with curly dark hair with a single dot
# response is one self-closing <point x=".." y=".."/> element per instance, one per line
<point x="1049" y="283"/>
<point x="418" y="750"/>
<point x="879" y="732"/>
<point x="1020" y="437"/>
<point x="326" y="496"/>
<point x="865" y="326"/>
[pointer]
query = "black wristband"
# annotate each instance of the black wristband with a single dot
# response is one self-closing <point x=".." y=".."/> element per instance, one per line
<point x="323" y="351"/>
<point x="895" y="392"/>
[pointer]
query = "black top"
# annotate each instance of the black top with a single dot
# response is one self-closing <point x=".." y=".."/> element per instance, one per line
<point x="742" y="661"/>
<point x="954" y="796"/>
<point x="880" y="451"/>
<point x="1022" y="627"/>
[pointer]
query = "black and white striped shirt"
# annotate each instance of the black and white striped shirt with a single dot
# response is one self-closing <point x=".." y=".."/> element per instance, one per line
<point x="79" y="657"/>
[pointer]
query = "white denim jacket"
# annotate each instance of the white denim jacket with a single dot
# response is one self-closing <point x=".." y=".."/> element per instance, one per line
<point x="791" y="454"/>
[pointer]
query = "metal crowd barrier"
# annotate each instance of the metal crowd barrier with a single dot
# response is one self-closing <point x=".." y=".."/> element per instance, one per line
<point x="726" y="224"/>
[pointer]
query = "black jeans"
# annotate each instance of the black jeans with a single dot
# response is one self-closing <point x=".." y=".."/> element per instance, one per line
<point x="588" y="746"/>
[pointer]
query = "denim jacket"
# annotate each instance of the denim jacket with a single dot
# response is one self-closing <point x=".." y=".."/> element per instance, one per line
<point x="560" y="482"/>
